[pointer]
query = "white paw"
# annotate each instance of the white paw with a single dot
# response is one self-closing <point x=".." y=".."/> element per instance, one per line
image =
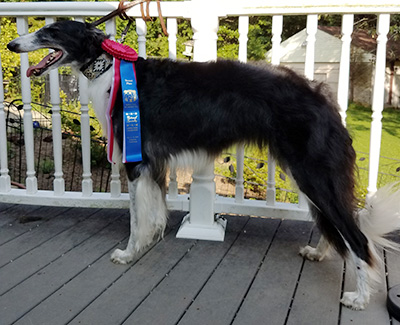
<point x="311" y="253"/>
<point x="121" y="257"/>
<point x="354" y="300"/>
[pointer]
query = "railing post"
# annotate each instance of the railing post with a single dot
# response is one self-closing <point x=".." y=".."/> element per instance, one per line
<point x="277" y="27"/>
<point x="111" y="28"/>
<point x="115" y="182"/>
<point x="5" y="182"/>
<point x="378" y="103"/>
<point x="239" y="188"/>
<point x="312" y="27"/>
<point x="172" y="29"/>
<point x="31" y="180"/>
<point x="344" y="70"/>
<point x="87" y="183"/>
<point x="58" y="183"/>
<point x="141" y="30"/>
<point x="243" y="38"/>
<point x="205" y="26"/>
<point x="173" y="184"/>
<point x="200" y="223"/>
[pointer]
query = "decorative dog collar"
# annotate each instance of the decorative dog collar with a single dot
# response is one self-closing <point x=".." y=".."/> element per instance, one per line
<point x="124" y="76"/>
<point x="96" y="68"/>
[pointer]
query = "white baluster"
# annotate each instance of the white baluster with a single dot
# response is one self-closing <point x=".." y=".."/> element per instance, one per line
<point x="243" y="38"/>
<point x="344" y="70"/>
<point x="378" y="102"/>
<point x="87" y="183"/>
<point x="277" y="27"/>
<point x="205" y="26"/>
<point x="31" y="180"/>
<point x="200" y="222"/>
<point x="312" y="26"/>
<point x="173" y="184"/>
<point x="239" y="181"/>
<point x="5" y="182"/>
<point x="115" y="181"/>
<point x="111" y="28"/>
<point x="58" y="183"/>
<point x="141" y="30"/>
<point x="172" y="29"/>
<point x="271" y="185"/>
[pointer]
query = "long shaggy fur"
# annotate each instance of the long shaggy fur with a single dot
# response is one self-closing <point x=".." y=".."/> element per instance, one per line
<point x="381" y="215"/>
<point x="192" y="108"/>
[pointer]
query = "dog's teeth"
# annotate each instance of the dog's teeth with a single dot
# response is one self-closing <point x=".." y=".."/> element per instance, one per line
<point x="52" y="57"/>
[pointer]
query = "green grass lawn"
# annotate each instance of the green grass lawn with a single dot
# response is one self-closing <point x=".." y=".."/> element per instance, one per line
<point x="359" y="124"/>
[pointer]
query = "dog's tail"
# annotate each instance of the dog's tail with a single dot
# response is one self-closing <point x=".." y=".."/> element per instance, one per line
<point x="381" y="216"/>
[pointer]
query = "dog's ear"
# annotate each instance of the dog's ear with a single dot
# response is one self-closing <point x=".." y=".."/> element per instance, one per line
<point x="90" y="26"/>
<point x="94" y="38"/>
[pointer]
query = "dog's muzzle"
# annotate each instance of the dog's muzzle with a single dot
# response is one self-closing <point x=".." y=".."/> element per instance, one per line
<point x="13" y="46"/>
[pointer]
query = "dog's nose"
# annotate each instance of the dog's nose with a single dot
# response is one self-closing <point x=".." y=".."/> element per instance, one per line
<point x="13" y="46"/>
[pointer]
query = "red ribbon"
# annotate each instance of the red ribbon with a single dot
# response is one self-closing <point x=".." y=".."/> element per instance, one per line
<point x="119" y="52"/>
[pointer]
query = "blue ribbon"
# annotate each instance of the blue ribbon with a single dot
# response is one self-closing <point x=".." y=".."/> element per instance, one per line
<point x="132" y="145"/>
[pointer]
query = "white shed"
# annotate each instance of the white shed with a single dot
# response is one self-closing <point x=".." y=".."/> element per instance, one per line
<point x="327" y="61"/>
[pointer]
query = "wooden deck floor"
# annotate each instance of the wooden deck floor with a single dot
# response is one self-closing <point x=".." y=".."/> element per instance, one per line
<point x="55" y="269"/>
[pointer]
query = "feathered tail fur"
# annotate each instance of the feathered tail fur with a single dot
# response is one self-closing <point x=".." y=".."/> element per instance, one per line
<point x="381" y="216"/>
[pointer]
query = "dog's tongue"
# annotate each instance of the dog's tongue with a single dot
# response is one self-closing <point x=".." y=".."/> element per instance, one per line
<point x="39" y="66"/>
<point x="47" y="61"/>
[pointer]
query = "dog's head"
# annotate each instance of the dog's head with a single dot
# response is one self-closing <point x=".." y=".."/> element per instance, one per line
<point x="74" y="43"/>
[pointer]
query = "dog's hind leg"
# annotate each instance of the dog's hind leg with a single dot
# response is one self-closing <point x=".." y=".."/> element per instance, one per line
<point x="366" y="276"/>
<point x="318" y="253"/>
<point x="148" y="215"/>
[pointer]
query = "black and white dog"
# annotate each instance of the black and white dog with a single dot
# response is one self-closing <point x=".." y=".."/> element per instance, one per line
<point x="190" y="112"/>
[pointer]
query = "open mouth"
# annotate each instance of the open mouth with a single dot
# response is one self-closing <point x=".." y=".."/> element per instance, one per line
<point x="43" y="65"/>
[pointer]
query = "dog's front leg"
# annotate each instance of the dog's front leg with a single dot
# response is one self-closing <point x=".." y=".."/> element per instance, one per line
<point x="148" y="216"/>
<point x="120" y="256"/>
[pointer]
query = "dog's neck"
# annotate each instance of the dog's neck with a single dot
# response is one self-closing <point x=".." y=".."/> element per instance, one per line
<point x="96" y="68"/>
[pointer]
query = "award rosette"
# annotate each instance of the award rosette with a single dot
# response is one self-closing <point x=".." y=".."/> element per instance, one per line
<point x="124" y="76"/>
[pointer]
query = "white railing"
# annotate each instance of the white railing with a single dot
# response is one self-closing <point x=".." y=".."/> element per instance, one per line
<point x="204" y="16"/>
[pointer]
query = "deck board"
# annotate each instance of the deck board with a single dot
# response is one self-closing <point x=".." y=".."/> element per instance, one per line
<point x="41" y="255"/>
<point x="11" y="213"/>
<point x="27" y="236"/>
<point x="15" y="228"/>
<point x="40" y="285"/>
<point x="55" y="269"/>
<point x="135" y="284"/>
<point x="270" y="295"/>
<point x="220" y="298"/>
<point x="318" y="292"/>
<point x="173" y="295"/>
<point x="93" y="279"/>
